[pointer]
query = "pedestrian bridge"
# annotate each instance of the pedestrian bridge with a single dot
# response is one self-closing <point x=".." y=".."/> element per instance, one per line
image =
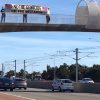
<point x="14" y="23"/>
<point x="24" y="27"/>
<point x="86" y="19"/>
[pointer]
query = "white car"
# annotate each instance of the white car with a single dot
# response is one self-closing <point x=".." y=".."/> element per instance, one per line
<point x="62" y="85"/>
<point x="86" y="80"/>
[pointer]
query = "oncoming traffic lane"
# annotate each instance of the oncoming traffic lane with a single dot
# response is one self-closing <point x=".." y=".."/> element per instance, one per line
<point x="9" y="96"/>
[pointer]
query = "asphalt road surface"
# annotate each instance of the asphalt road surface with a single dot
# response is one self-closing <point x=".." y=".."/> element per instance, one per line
<point x="41" y="94"/>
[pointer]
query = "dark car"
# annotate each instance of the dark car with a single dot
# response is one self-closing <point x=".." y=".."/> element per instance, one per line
<point x="20" y="83"/>
<point x="6" y="83"/>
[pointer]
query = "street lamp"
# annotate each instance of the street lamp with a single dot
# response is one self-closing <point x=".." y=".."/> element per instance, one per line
<point x="32" y="70"/>
<point x="54" y="74"/>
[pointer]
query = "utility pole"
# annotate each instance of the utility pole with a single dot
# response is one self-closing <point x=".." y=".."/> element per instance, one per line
<point x="15" y="68"/>
<point x="2" y="71"/>
<point x="24" y="75"/>
<point x="76" y="64"/>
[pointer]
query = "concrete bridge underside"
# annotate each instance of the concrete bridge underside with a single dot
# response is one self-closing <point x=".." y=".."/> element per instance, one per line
<point x="22" y="27"/>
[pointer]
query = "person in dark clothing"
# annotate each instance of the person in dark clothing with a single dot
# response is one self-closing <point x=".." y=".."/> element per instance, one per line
<point x="25" y="18"/>
<point x="47" y="18"/>
<point x="3" y="15"/>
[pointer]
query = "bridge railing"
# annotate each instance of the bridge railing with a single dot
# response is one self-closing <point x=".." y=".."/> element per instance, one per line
<point x="32" y="18"/>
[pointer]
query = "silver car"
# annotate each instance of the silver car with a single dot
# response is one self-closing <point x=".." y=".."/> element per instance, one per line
<point x="86" y="80"/>
<point x="62" y="85"/>
<point x="20" y="83"/>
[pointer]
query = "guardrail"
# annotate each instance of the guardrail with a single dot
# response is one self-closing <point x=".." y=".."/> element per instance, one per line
<point x="78" y="87"/>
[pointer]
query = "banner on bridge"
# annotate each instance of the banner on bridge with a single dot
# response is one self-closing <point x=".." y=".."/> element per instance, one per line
<point x="29" y="9"/>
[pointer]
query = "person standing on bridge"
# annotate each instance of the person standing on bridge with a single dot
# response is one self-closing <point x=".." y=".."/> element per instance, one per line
<point x="3" y="15"/>
<point x="48" y="16"/>
<point x="24" y="18"/>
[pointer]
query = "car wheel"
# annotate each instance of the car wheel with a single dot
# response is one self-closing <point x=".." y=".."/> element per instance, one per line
<point x="5" y="89"/>
<point x="52" y="88"/>
<point x="11" y="89"/>
<point x="60" y="89"/>
<point x="63" y="90"/>
<point x="72" y="90"/>
<point x="25" y="88"/>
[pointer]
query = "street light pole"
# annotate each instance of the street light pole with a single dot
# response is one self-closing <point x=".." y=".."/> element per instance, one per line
<point x="76" y="64"/>
<point x="15" y="69"/>
<point x="54" y="72"/>
<point x="32" y="70"/>
<point x="54" y="69"/>
<point x="24" y="75"/>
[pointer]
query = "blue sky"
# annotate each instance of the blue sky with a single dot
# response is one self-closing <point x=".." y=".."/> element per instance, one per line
<point x="27" y="45"/>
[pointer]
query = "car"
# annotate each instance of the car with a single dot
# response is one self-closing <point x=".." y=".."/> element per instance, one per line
<point x="86" y="80"/>
<point x="6" y="83"/>
<point x="62" y="85"/>
<point x="20" y="83"/>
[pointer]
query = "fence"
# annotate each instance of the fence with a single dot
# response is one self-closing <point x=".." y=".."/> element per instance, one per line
<point x="35" y="18"/>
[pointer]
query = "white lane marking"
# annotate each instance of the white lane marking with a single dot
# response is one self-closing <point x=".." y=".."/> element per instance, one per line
<point x="17" y="96"/>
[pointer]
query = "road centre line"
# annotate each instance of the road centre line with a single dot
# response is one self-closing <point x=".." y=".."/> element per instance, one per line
<point x="17" y="96"/>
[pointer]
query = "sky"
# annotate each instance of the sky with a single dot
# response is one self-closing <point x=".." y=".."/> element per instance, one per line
<point x="37" y="48"/>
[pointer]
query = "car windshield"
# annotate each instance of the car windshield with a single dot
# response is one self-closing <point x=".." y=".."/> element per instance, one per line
<point x="66" y="81"/>
<point x="87" y="79"/>
<point x="20" y="80"/>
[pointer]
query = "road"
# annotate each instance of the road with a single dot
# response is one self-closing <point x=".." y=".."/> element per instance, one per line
<point x="41" y="94"/>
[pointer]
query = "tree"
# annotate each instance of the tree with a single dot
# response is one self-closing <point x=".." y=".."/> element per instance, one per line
<point x="21" y="73"/>
<point x="82" y="71"/>
<point x="72" y="72"/>
<point x="94" y="73"/>
<point x="63" y="71"/>
<point x="10" y="73"/>
<point x="44" y="75"/>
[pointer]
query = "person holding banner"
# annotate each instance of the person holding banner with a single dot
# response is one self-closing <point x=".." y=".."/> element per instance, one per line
<point x="24" y="18"/>
<point x="3" y="15"/>
<point x="48" y="16"/>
